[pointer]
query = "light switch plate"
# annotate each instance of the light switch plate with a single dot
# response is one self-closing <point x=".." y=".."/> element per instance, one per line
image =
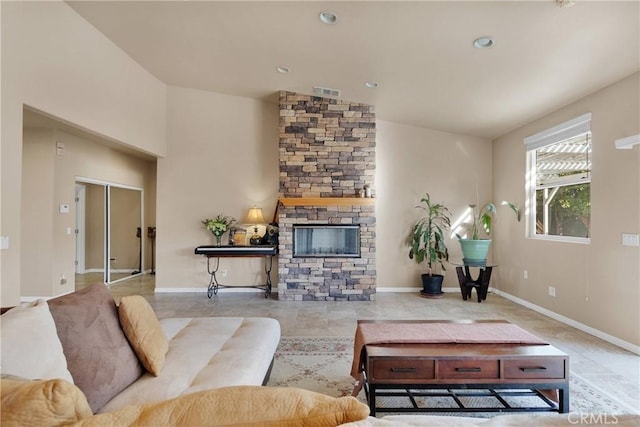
<point x="630" y="239"/>
<point x="4" y="242"/>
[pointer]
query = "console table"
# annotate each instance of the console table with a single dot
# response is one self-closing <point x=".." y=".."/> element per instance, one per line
<point x="459" y="360"/>
<point x="217" y="252"/>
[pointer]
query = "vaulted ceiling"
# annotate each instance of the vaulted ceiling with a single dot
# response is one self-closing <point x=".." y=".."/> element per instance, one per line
<point x="420" y="53"/>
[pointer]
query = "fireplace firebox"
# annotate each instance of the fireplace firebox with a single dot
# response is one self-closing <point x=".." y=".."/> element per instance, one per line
<point x="326" y="240"/>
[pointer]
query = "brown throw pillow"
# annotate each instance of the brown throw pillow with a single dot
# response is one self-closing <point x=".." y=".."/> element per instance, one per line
<point x="143" y="331"/>
<point x="98" y="354"/>
<point x="42" y="403"/>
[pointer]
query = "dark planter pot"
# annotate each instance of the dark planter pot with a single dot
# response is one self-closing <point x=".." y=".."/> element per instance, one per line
<point x="432" y="286"/>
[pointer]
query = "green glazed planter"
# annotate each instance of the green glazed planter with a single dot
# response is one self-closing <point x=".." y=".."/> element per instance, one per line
<point x="475" y="251"/>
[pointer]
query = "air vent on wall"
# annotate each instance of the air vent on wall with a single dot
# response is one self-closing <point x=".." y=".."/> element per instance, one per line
<point x="325" y="91"/>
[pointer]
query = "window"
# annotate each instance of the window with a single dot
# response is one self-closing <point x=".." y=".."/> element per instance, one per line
<point x="559" y="181"/>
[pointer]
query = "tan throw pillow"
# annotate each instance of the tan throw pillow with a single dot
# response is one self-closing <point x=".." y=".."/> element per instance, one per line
<point x="30" y="344"/>
<point x="143" y="331"/>
<point x="99" y="356"/>
<point x="247" y="406"/>
<point x="42" y="403"/>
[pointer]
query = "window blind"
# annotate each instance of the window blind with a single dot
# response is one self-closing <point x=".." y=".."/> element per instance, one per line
<point x="569" y="129"/>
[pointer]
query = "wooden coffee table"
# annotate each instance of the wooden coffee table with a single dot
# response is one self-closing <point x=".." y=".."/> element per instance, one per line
<point x="501" y="371"/>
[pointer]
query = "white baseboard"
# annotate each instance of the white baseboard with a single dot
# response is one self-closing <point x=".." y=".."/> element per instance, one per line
<point x="581" y="326"/>
<point x="275" y="290"/>
<point x="412" y="289"/>
<point x="204" y="290"/>
<point x="380" y="289"/>
<point x="123" y="270"/>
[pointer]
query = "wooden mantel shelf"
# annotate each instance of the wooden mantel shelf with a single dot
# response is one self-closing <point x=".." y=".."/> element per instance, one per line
<point x="326" y="201"/>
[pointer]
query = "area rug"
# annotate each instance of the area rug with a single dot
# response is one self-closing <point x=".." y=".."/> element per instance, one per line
<point x="322" y="364"/>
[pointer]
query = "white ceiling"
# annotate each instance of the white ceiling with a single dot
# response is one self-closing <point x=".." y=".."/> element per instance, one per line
<point x="421" y="53"/>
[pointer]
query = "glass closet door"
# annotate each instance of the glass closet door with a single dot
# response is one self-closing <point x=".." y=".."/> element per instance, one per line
<point x="110" y="218"/>
<point x="124" y="239"/>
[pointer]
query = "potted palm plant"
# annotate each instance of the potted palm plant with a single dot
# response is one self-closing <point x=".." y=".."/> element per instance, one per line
<point x="474" y="248"/>
<point x="426" y="243"/>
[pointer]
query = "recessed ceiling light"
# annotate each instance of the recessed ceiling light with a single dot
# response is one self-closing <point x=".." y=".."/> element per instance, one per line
<point x="282" y="69"/>
<point x="483" y="42"/>
<point x="371" y="84"/>
<point x="328" y="17"/>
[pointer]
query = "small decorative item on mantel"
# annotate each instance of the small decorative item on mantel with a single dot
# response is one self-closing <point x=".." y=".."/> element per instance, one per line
<point x="217" y="226"/>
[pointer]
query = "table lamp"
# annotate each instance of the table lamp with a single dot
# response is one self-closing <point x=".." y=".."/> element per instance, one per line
<point x="255" y="217"/>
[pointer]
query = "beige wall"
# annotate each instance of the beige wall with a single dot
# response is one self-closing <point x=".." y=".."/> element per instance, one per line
<point x="48" y="228"/>
<point x="596" y="284"/>
<point x="56" y="62"/>
<point x="222" y="159"/>
<point x="410" y="162"/>
<point x="38" y="172"/>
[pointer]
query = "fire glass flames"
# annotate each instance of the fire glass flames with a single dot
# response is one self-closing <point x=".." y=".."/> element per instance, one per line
<point x="326" y="240"/>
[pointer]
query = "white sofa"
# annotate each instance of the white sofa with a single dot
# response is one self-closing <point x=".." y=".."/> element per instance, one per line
<point x="206" y="353"/>
<point x="92" y="350"/>
<point x="79" y="360"/>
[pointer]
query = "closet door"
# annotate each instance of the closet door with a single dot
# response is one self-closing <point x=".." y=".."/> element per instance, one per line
<point x="124" y="225"/>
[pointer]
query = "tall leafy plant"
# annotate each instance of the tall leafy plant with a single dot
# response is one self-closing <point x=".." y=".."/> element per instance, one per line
<point x="426" y="241"/>
<point x="485" y="216"/>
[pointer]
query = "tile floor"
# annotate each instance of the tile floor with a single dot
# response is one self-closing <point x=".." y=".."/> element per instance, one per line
<point x="611" y="368"/>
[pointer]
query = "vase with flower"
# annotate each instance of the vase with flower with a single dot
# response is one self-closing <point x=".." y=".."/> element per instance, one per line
<point x="218" y="226"/>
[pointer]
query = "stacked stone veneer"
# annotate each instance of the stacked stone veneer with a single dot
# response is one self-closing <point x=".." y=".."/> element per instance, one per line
<point x="327" y="149"/>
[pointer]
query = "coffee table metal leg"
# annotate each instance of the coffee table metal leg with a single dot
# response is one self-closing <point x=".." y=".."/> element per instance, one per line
<point x="563" y="400"/>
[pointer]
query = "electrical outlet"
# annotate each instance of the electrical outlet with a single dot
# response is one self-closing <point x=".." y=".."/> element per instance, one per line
<point x="552" y="291"/>
<point x="224" y="273"/>
<point x="63" y="280"/>
<point x="525" y="274"/>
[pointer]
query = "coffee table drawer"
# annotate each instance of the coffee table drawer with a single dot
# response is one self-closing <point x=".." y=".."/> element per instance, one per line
<point x="402" y="369"/>
<point x="468" y="369"/>
<point x="535" y="368"/>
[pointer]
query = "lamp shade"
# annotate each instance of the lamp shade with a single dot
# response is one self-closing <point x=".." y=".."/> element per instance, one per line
<point x="255" y="216"/>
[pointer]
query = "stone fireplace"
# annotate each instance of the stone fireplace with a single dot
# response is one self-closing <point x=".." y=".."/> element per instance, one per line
<point x="327" y="157"/>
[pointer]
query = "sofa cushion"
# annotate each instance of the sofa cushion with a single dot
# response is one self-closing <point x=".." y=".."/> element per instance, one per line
<point x="42" y="403"/>
<point x="99" y="356"/>
<point x="239" y="406"/>
<point x="30" y="346"/>
<point x="206" y="353"/>
<point x="144" y="332"/>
